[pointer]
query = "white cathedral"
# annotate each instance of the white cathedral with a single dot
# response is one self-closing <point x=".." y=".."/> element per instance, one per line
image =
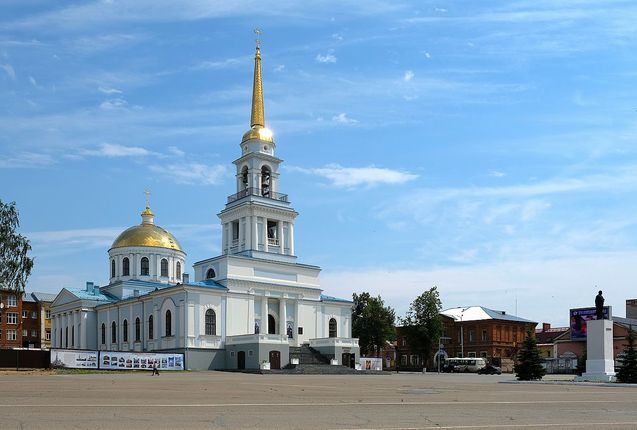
<point x="252" y="304"/>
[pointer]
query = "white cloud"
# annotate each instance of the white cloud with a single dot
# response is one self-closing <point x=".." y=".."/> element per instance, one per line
<point x="193" y="173"/>
<point x="408" y="76"/>
<point x="544" y="289"/>
<point x="113" y="104"/>
<point x="26" y="160"/>
<point x="279" y="68"/>
<point x="33" y="81"/>
<point x="115" y="150"/>
<point x="426" y="54"/>
<point x="337" y="36"/>
<point x="342" y="118"/>
<point x="107" y="90"/>
<point x="327" y="58"/>
<point x="83" y="238"/>
<point x="176" y="151"/>
<point x="353" y="177"/>
<point x="9" y="70"/>
<point x="496" y="174"/>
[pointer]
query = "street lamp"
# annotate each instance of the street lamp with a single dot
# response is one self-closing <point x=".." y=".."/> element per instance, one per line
<point x="462" y="332"/>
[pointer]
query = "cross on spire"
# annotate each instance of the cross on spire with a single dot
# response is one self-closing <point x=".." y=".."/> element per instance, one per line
<point x="258" y="32"/>
<point x="147" y="198"/>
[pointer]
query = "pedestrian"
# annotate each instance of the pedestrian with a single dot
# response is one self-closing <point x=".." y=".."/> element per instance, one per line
<point x="155" y="371"/>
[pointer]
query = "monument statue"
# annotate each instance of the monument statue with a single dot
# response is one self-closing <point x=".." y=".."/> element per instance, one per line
<point x="599" y="305"/>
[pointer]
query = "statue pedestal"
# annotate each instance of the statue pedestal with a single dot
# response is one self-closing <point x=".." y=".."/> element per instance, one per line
<point x="600" y="365"/>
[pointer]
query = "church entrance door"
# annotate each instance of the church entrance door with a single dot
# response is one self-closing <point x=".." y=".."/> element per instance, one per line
<point x="348" y="360"/>
<point x="241" y="360"/>
<point x="275" y="360"/>
<point x="271" y="325"/>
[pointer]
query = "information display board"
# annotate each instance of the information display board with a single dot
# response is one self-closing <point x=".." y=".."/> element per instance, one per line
<point x="140" y="361"/>
<point x="578" y="318"/>
<point x="74" y="359"/>
<point x="371" y="363"/>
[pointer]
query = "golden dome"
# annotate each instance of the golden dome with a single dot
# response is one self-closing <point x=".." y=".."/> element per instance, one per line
<point x="147" y="234"/>
<point x="258" y="132"/>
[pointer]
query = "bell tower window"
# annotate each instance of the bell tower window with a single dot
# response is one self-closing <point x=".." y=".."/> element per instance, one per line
<point x="266" y="179"/>
<point x="112" y="268"/>
<point x="244" y="177"/>
<point x="273" y="232"/>
<point x="178" y="271"/>
<point x="210" y="274"/>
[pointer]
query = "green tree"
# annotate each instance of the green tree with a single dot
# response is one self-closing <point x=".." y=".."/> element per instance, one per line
<point x="628" y="370"/>
<point x="529" y="366"/>
<point x="422" y="325"/>
<point x="15" y="265"/>
<point x="372" y="322"/>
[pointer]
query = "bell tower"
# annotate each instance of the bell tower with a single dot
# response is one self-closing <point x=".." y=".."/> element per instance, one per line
<point x="258" y="220"/>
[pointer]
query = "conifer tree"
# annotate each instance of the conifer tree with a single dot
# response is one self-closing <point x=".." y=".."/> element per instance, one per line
<point x="529" y="366"/>
<point x="628" y="371"/>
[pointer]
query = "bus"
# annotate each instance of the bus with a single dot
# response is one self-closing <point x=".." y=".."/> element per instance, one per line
<point x="467" y="364"/>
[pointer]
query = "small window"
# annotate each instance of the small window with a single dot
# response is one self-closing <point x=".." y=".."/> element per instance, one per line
<point x="12" y="318"/>
<point x="25" y="332"/>
<point x="12" y="335"/>
<point x="47" y="335"/>
<point x="169" y="331"/>
<point x="332" y="327"/>
<point x="265" y="181"/>
<point x="125" y="267"/>
<point x="484" y="335"/>
<point x="138" y="331"/>
<point x="235" y="232"/>
<point x="150" y="327"/>
<point x="471" y="335"/>
<point x="164" y="267"/>
<point x="471" y="354"/>
<point x="48" y="314"/>
<point x="244" y="176"/>
<point x="34" y="315"/>
<point x="250" y="353"/>
<point x="145" y="267"/>
<point x="211" y="323"/>
<point x="25" y="314"/>
<point x="113" y="333"/>
<point x="11" y="301"/>
<point x="210" y="274"/>
<point x="178" y="271"/>
<point x="125" y="330"/>
<point x="103" y="334"/>
<point x="112" y="268"/>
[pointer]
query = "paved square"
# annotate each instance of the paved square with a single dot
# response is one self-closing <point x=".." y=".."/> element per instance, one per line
<point x="210" y="400"/>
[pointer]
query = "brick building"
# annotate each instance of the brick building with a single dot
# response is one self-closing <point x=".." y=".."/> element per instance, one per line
<point x="476" y="331"/>
<point x="10" y="319"/>
<point x="30" y="322"/>
<point x="44" y="301"/>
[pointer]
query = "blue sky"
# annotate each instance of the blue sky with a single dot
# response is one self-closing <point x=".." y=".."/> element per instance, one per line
<point x="488" y="148"/>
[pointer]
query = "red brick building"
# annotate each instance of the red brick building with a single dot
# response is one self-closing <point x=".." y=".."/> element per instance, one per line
<point x="30" y="327"/>
<point x="10" y="319"/>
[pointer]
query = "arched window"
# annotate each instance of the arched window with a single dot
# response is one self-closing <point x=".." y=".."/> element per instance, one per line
<point x="332" y="327"/>
<point x="145" y="267"/>
<point x="271" y="325"/>
<point x="178" y="271"/>
<point x="244" y="177"/>
<point x="125" y="267"/>
<point x="125" y="330"/>
<point x="103" y="334"/>
<point x="138" y="330"/>
<point x="211" y="323"/>
<point x="169" y="331"/>
<point x="164" y="267"/>
<point x="113" y="333"/>
<point x="265" y="181"/>
<point x="112" y="268"/>
<point x="210" y="274"/>
<point x="150" y="327"/>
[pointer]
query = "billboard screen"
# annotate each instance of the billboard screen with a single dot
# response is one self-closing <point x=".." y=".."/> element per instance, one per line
<point x="578" y="318"/>
<point x="140" y="361"/>
<point x="74" y="359"/>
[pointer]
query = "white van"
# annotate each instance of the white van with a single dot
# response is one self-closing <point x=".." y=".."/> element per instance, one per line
<point x="467" y="364"/>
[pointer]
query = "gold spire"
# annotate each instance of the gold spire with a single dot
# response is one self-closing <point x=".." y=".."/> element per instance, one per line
<point x="257" y="119"/>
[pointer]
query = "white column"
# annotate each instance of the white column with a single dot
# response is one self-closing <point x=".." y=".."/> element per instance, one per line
<point x="248" y="232"/>
<point x="297" y="320"/>
<point x="255" y="233"/>
<point x="264" y="315"/>
<point x="279" y="227"/>
<point x="282" y="317"/>
<point x="265" y="234"/>
<point x="82" y="333"/>
<point x="250" y="322"/>
<point x="291" y="234"/>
